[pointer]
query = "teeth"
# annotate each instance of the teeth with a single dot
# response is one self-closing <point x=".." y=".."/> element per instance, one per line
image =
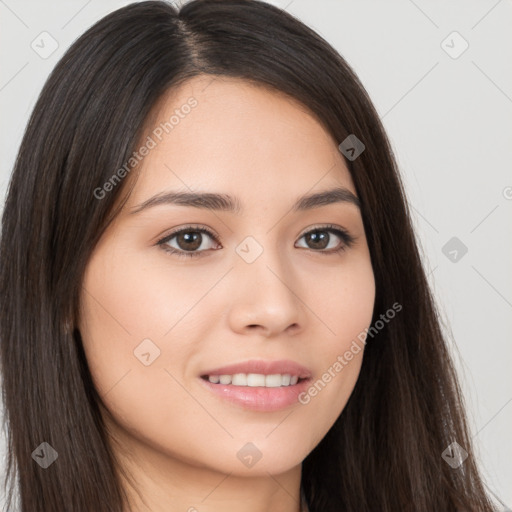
<point x="225" y="379"/>
<point x="255" y="380"/>
<point x="239" y="379"/>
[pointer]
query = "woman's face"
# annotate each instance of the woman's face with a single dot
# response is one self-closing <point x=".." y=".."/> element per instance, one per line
<point x="264" y="293"/>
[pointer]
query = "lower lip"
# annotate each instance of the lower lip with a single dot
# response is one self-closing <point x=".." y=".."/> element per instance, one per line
<point x="259" y="398"/>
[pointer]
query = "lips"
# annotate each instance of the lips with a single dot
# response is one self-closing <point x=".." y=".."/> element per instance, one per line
<point x="254" y="385"/>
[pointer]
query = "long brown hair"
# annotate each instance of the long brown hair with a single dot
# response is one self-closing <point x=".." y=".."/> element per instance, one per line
<point x="384" y="452"/>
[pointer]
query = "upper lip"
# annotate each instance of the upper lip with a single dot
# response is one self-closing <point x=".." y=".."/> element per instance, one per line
<point x="283" y="366"/>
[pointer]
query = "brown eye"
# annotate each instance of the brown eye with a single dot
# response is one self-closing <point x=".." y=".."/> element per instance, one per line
<point x="317" y="239"/>
<point x="187" y="241"/>
<point x="320" y="238"/>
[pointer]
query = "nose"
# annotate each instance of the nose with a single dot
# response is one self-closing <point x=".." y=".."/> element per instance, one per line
<point x="265" y="299"/>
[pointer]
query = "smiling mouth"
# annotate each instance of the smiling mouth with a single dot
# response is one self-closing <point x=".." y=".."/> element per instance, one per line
<point x="254" y="380"/>
<point x="263" y="387"/>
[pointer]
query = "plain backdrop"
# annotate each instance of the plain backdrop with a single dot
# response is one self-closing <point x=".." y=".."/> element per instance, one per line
<point x="440" y="76"/>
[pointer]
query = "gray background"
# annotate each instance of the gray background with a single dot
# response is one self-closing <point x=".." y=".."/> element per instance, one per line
<point x="449" y="120"/>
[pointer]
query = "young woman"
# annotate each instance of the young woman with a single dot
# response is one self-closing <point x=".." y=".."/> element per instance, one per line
<point x="212" y="296"/>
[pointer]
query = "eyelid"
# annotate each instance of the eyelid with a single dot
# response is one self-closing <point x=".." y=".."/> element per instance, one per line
<point x="189" y="227"/>
<point x="347" y="239"/>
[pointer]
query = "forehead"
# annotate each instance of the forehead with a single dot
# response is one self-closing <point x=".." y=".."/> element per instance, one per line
<point x="229" y="135"/>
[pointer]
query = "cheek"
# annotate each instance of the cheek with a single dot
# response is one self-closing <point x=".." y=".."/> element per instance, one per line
<point x="128" y="298"/>
<point x="343" y="304"/>
<point x="352" y="293"/>
<point x="346" y="311"/>
<point x="126" y="309"/>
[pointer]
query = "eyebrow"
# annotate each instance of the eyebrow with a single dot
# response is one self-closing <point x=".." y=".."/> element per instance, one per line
<point x="226" y="203"/>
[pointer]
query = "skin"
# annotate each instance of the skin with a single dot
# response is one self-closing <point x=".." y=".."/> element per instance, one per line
<point x="178" y="440"/>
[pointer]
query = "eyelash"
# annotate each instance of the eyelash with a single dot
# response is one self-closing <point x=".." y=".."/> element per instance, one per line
<point x="347" y="238"/>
